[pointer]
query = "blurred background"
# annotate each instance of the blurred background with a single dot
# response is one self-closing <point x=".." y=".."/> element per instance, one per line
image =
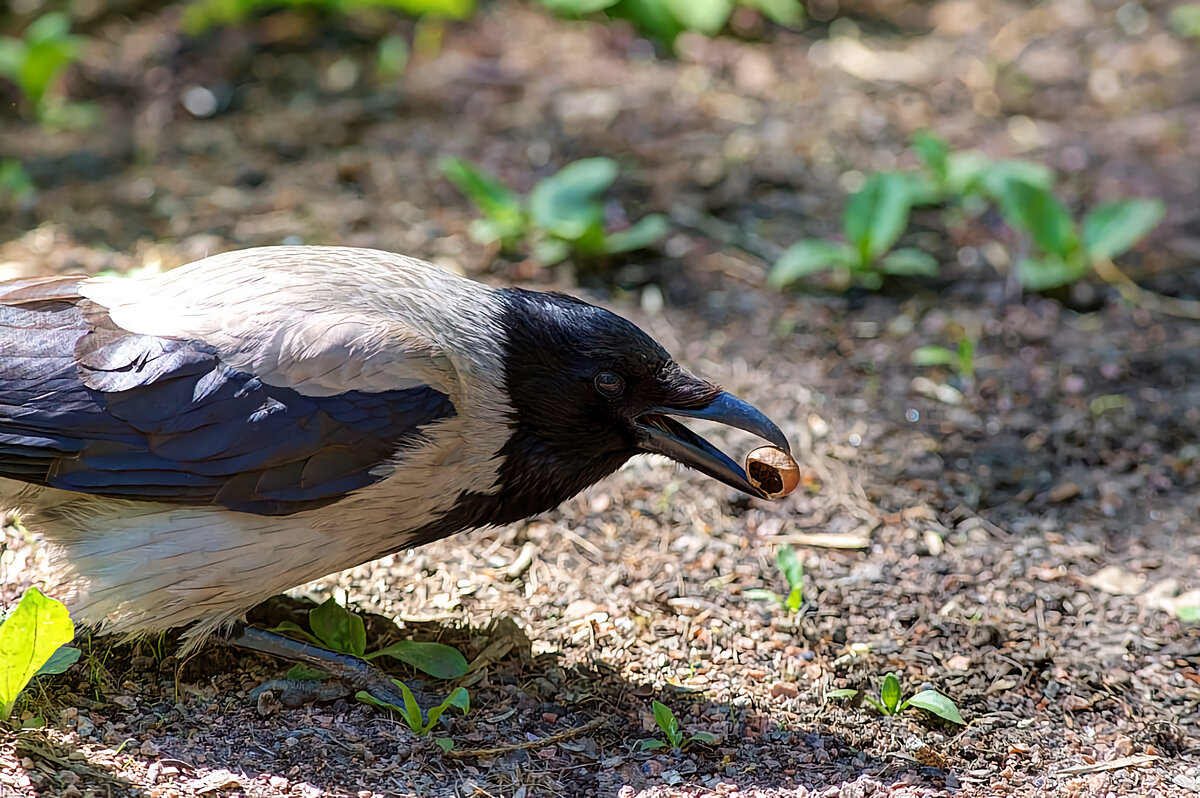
<point x="950" y="245"/>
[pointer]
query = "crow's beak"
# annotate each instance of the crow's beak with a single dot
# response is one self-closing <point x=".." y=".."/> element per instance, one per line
<point x="661" y="434"/>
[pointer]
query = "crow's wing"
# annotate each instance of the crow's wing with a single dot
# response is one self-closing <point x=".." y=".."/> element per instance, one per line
<point x="88" y="406"/>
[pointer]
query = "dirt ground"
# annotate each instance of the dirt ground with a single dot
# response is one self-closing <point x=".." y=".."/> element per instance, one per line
<point x="1020" y="542"/>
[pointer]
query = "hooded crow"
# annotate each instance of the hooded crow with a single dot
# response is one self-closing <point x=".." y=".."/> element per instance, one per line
<point x="194" y="442"/>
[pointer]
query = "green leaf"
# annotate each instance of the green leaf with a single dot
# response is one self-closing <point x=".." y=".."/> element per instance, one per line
<point x="994" y="175"/>
<point x="935" y="152"/>
<point x="925" y="191"/>
<point x="436" y="659"/>
<point x="909" y="261"/>
<point x="549" y="251"/>
<point x="451" y="9"/>
<point x="391" y="56"/>
<point x="790" y="566"/>
<point x="706" y="16"/>
<point x="795" y="599"/>
<point x="1051" y="271"/>
<point x="63" y="658"/>
<point x="496" y="200"/>
<point x="459" y="697"/>
<point x="48" y="27"/>
<point x="665" y="719"/>
<point x="877" y="214"/>
<point x="965" y="172"/>
<point x="412" y="710"/>
<point x="809" y="257"/>
<point x="1034" y="209"/>
<point x="652" y="745"/>
<point x="568" y="204"/>
<point x="1185" y="20"/>
<point x="12" y="55"/>
<point x="1188" y="613"/>
<point x="338" y="628"/>
<point x="14" y="179"/>
<point x="28" y="639"/>
<point x="840" y="693"/>
<point x="288" y="627"/>
<point x="703" y="737"/>
<point x="444" y="743"/>
<point x="788" y="13"/>
<point x="1114" y="228"/>
<point x="938" y="704"/>
<point x="43" y="63"/>
<point x="576" y="8"/>
<point x="650" y="17"/>
<point x="758" y="594"/>
<point x="486" y="230"/>
<point x="889" y="693"/>
<point x="878" y="706"/>
<point x="966" y="357"/>
<point x="639" y="236"/>
<point x="933" y="356"/>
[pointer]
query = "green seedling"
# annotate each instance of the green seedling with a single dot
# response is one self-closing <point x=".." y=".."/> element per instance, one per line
<point x="33" y="642"/>
<point x="1188" y="613"/>
<point x="563" y="214"/>
<point x="875" y="217"/>
<point x="664" y="20"/>
<point x="38" y="59"/>
<point x="961" y="360"/>
<point x="1065" y="251"/>
<point x="966" y="177"/>
<point x="411" y="711"/>
<point x="337" y="629"/>
<point x="792" y="568"/>
<point x="201" y="15"/>
<point x="673" y="737"/>
<point x="890" y="703"/>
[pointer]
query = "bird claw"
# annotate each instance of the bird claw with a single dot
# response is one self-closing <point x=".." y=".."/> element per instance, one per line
<point x="293" y="693"/>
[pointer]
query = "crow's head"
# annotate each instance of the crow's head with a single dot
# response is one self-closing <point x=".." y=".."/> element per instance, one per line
<point x="590" y="390"/>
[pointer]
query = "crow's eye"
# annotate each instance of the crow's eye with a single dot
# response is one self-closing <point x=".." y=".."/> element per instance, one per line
<point x="609" y="384"/>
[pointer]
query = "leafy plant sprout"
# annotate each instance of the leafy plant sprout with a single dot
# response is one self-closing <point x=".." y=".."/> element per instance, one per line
<point x="889" y="701"/>
<point x="337" y="629"/>
<point x="410" y="713"/>
<point x="1054" y="249"/>
<point x="563" y="215"/>
<point x="673" y="738"/>
<point x="792" y="568"/>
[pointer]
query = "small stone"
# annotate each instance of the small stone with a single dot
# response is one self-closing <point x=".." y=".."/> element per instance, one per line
<point x="784" y="690"/>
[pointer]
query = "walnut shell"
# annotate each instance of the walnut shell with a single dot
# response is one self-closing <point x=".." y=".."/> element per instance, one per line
<point x="773" y="471"/>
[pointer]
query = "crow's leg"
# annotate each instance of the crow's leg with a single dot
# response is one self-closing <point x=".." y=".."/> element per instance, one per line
<point x="356" y="674"/>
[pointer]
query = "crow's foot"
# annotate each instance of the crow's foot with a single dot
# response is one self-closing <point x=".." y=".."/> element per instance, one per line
<point x="350" y="673"/>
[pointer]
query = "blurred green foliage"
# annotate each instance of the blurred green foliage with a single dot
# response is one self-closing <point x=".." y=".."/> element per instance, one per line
<point x="14" y="181"/>
<point x="1185" y="20"/>
<point x="35" y="60"/>
<point x="563" y="214"/>
<point x="200" y="15"/>
<point x="666" y="19"/>
<point x="1054" y="251"/>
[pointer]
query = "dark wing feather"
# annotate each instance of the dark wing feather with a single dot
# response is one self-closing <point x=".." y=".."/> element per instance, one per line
<point x="86" y="406"/>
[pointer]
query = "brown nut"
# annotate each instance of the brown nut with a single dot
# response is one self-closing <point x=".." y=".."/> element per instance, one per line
<point x="773" y="471"/>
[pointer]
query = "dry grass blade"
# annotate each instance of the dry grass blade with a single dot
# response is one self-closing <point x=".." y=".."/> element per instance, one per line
<point x="498" y="750"/>
<point x="1116" y="764"/>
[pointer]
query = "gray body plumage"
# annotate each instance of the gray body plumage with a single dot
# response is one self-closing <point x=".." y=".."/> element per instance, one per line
<point x="319" y="321"/>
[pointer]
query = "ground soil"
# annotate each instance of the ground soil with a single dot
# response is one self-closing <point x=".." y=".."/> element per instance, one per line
<point x="1021" y="541"/>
